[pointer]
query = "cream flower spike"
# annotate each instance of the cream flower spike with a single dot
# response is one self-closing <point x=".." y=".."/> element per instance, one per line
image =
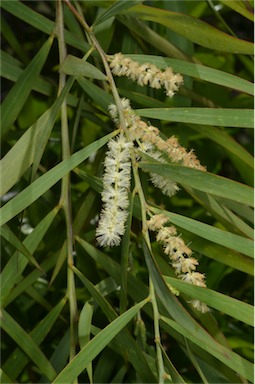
<point x="180" y="256"/>
<point x="145" y="74"/>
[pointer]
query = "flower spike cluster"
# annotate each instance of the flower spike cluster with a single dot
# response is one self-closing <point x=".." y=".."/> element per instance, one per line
<point x="149" y="142"/>
<point x="136" y="139"/>
<point x="145" y="74"/>
<point x="180" y="255"/>
<point x="116" y="183"/>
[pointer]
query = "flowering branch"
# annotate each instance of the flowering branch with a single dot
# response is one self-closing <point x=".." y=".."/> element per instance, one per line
<point x="122" y="154"/>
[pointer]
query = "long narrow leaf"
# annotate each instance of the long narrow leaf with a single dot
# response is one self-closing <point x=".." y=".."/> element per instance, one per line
<point x="43" y="183"/>
<point x="96" y="345"/>
<point x="11" y="274"/>
<point x="18" y="359"/>
<point x="115" y="9"/>
<point x="239" y="7"/>
<point x="26" y="343"/>
<point x="84" y="330"/>
<point x="18" y="94"/>
<point x="72" y="65"/>
<point x="228" y="357"/>
<point x="218" y="236"/>
<point x="203" y="181"/>
<point x="192" y="29"/>
<point x="29" y="148"/>
<point x="12" y="239"/>
<point x="198" y="335"/>
<point x="242" y="118"/>
<point x="4" y="378"/>
<point x="129" y="348"/>
<point x="42" y="23"/>
<point x="220" y="253"/>
<point x="226" y="141"/>
<point x="198" y="71"/>
<point x="25" y="283"/>
<point x="231" y="222"/>
<point x="232" y="307"/>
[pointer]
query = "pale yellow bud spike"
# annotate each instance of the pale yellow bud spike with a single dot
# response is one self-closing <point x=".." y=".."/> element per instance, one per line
<point x="145" y="74"/>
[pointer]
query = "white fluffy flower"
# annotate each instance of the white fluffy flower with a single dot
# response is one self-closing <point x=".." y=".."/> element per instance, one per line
<point x="116" y="182"/>
<point x="168" y="187"/>
<point x="200" y="306"/>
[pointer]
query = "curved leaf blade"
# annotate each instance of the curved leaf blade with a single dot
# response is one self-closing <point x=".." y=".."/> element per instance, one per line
<point x="198" y="71"/>
<point x="11" y="274"/>
<point x="195" y="333"/>
<point x="114" y="9"/>
<point x="75" y="66"/>
<point x="27" y="344"/>
<point x="45" y="182"/>
<point x="237" y="309"/>
<point x="96" y="345"/>
<point x="220" y="253"/>
<point x="29" y="148"/>
<point x="12" y="239"/>
<point x="225" y="355"/>
<point x="125" y="341"/>
<point x="203" y="181"/>
<point x="18" y="94"/>
<point x="226" y="141"/>
<point x="216" y="235"/>
<point x="42" y="23"/>
<point x="193" y="29"/>
<point x="239" y="7"/>
<point x="18" y="359"/>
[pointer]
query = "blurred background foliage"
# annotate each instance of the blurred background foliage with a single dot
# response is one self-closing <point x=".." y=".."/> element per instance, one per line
<point x="33" y="295"/>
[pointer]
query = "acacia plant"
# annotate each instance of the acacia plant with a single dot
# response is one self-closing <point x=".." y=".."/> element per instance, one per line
<point x="126" y="184"/>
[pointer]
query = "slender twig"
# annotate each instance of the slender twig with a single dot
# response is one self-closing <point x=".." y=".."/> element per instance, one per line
<point x="65" y="200"/>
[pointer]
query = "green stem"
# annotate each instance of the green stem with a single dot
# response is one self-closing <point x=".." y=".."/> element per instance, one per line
<point x="65" y="198"/>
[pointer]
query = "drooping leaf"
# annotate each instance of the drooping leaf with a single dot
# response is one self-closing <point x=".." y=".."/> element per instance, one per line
<point x="218" y="236"/>
<point x="75" y="66"/>
<point x="239" y="7"/>
<point x="42" y="23"/>
<point x="237" y="363"/>
<point x="192" y="29"/>
<point x="195" y="333"/>
<point x="125" y="342"/>
<point x="203" y="181"/>
<point x="229" y="305"/>
<point x="198" y="71"/>
<point x="18" y="94"/>
<point x="114" y="9"/>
